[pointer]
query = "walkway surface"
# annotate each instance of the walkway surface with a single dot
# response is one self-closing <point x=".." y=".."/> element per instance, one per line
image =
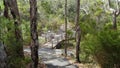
<point x="52" y="58"/>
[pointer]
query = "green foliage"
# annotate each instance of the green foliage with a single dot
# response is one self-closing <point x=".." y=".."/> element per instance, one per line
<point x="89" y="46"/>
<point x="1" y="6"/>
<point x="12" y="46"/>
<point x="5" y="23"/>
<point x="53" y="23"/>
<point x="19" y="63"/>
<point x="70" y="33"/>
<point x="46" y="6"/>
<point x="101" y="45"/>
<point x="110" y="43"/>
<point x="104" y="47"/>
<point x="26" y="32"/>
<point x="88" y="25"/>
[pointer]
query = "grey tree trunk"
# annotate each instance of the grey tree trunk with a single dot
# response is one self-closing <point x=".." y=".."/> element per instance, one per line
<point x="66" y="28"/>
<point x="3" y="56"/>
<point x="34" y="33"/>
<point x="78" y="32"/>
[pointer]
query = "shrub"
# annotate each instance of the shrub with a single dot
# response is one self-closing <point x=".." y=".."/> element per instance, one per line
<point x="110" y="43"/>
<point x="12" y="46"/>
<point x="104" y="47"/>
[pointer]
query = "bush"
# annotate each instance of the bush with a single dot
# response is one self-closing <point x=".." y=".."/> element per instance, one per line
<point x="88" y="47"/>
<point x="19" y="63"/>
<point x="13" y="47"/>
<point x="110" y="43"/>
<point x="104" y="47"/>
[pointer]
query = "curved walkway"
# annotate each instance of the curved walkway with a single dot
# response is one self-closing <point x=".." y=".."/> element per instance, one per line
<point x="52" y="58"/>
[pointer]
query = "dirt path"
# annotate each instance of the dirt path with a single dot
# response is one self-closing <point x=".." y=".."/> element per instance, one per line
<point x="52" y="58"/>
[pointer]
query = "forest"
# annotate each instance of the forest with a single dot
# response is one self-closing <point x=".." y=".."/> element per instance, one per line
<point x="59" y="33"/>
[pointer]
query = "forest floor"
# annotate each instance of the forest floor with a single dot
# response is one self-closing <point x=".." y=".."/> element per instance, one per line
<point x="52" y="58"/>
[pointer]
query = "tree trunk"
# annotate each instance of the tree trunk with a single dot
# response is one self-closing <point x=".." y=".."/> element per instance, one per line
<point x="34" y="33"/>
<point x="18" y="34"/>
<point x="6" y="8"/>
<point x="66" y="28"/>
<point x="114" y="21"/>
<point x="115" y="14"/>
<point x="3" y="56"/>
<point x="78" y="32"/>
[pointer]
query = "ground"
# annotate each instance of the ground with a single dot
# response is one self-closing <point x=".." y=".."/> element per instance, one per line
<point x="52" y="58"/>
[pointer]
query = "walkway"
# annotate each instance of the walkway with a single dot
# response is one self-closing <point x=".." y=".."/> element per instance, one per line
<point x="52" y="58"/>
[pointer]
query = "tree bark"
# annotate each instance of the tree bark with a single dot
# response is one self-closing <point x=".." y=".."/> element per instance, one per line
<point x="6" y="8"/>
<point x="34" y="33"/>
<point x="78" y="32"/>
<point x="3" y="56"/>
<point x="66" y="28"/>
<point x="114" y="21"/>
<point x="18" y="34"/>
<point x="115" y="13"/>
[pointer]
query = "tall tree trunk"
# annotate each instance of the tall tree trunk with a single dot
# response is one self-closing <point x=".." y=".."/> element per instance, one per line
<point x="3" y="53"/>
<point x="3" y="56"/>
<point x="78" y="32"/>
<point x="6" y="8"/>
<point x="66" y="28"/>
<point x="34" y="33"/>
<point x="114" y="21"/>
<point x="115" y="13"/>
<point x="18" y="34"/>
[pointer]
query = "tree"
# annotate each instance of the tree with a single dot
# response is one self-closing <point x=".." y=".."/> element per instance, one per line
<point x="78" y="32"/>
<point x="12" y="5"/>
<point x="18" y="34"/>
<point x="115" y="12"/>
<point x="115" y="15"/>
<point x="34" y="33"/>
<point x="66" y="28"/>
<point x="3" y="56"/>
<point x="6" y="8"/>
